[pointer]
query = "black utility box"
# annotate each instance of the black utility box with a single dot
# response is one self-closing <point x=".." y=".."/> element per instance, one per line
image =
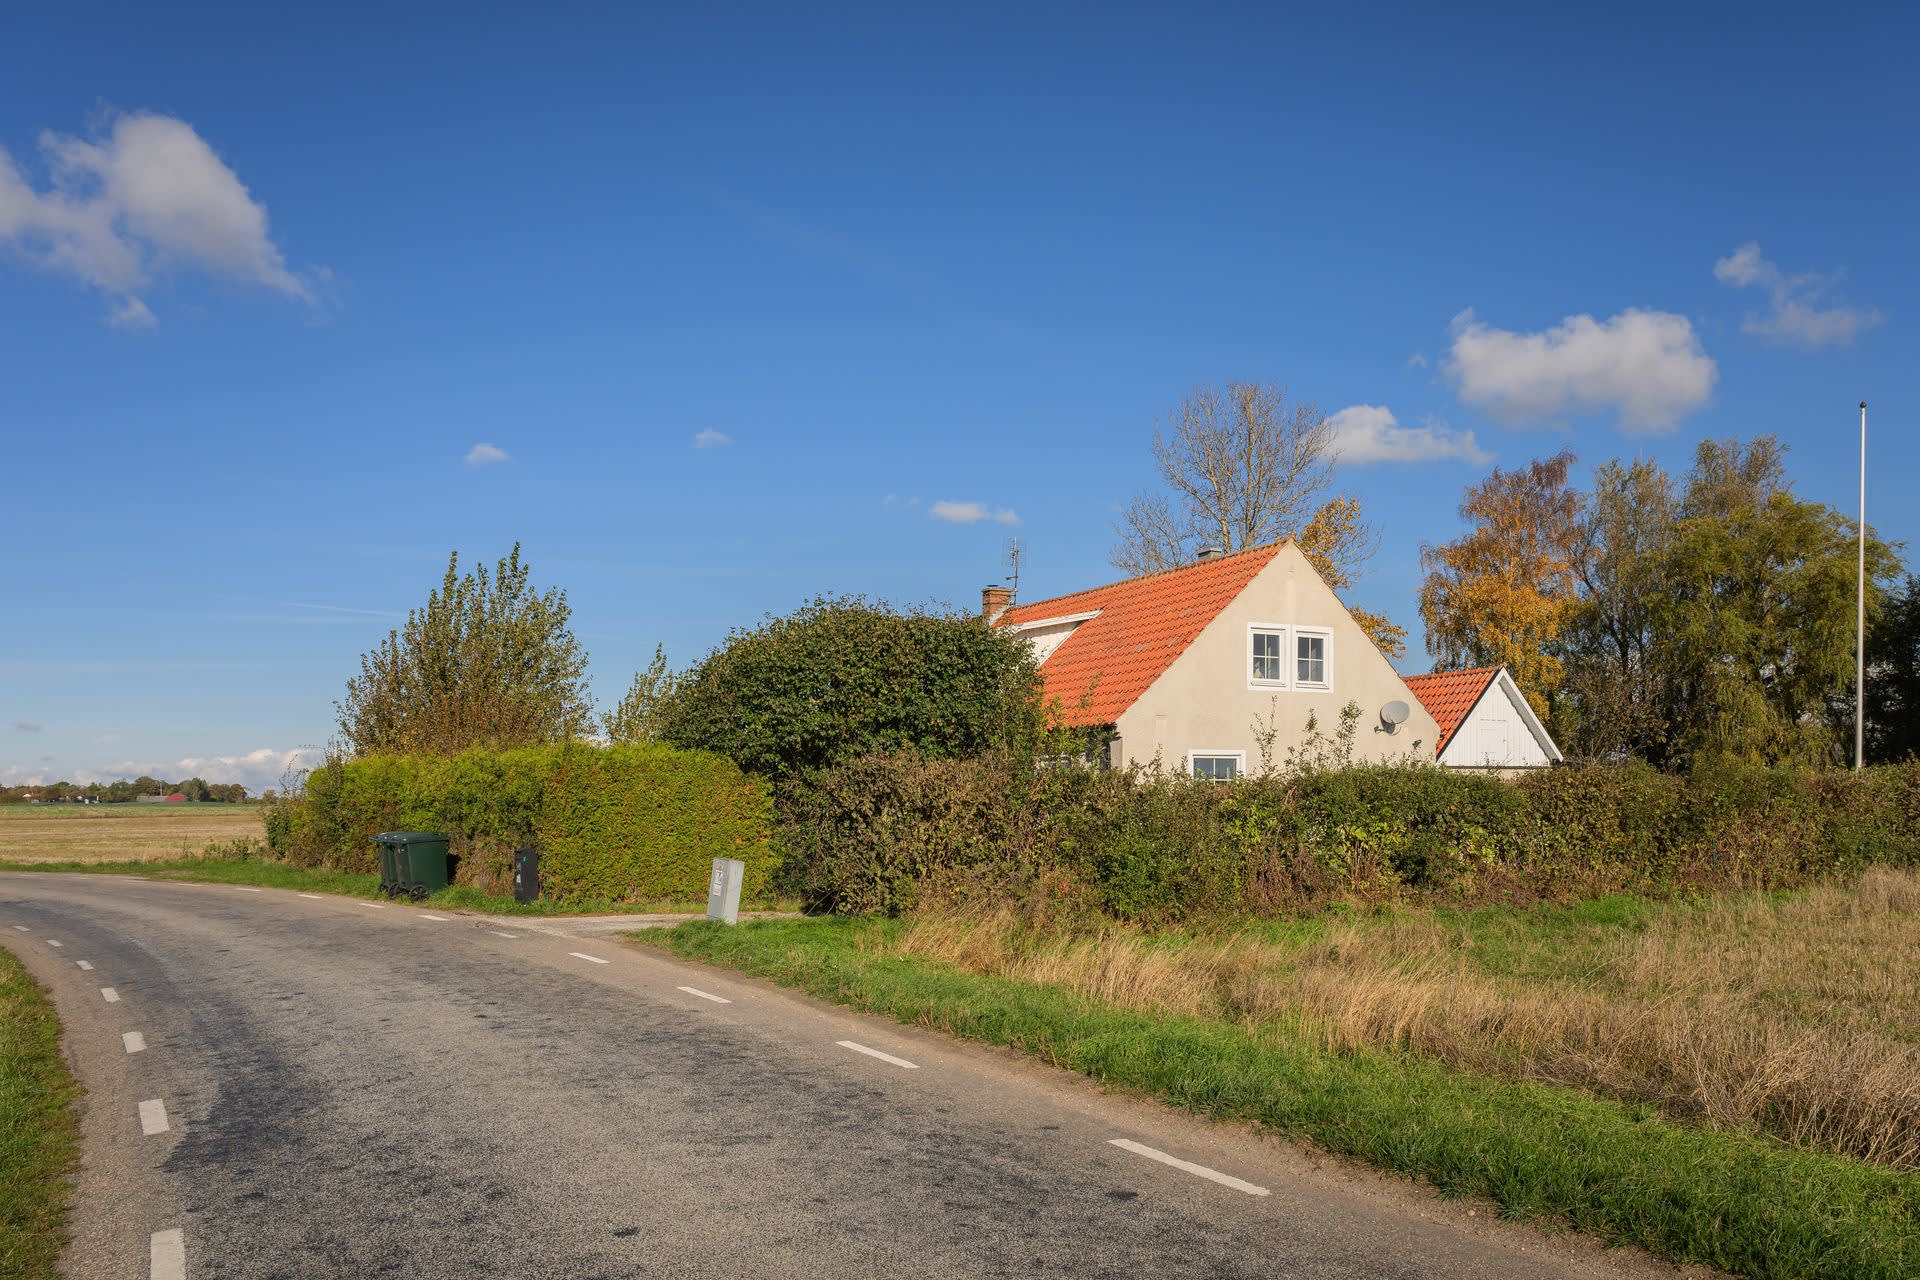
<point x="526" y="875"/>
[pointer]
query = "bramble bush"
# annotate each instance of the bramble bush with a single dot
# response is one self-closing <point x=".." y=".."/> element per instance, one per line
<point x="623" y="823"/>
<point x="885" y="832"/>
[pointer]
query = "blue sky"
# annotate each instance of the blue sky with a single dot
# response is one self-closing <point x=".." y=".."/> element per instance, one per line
<point x="268" y="278"/>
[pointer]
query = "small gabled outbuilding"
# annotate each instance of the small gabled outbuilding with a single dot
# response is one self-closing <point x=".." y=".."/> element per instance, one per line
<point x="1485" y="721"/>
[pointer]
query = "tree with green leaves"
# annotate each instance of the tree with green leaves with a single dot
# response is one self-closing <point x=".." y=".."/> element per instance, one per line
<point x="1715" y="620"/>
<point x="641" y="711"/>
<point x="1618" y="667"/>
<point x="843" y="678"/>
<point x="487" y="661"/>
<point x="1893" y="680"/>
<point x="1758" y="612"/>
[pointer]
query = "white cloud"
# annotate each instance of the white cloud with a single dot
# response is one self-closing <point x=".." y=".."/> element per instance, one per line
<point x="1795" y="314"/>
<point x="971" y="513"/>
<point x="257" y="770"/>
<point x="147" y="197"/>
<point x="708" y="438"/>
<point x="1364" y="433"/>
<point x="1418" y="360"/>
<point x="485" y="455"/>
<point x="131" y="314"/>
<point x="1647" y="367"/>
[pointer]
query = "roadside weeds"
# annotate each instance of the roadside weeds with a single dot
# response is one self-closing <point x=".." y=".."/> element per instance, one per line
<point x="39" y="1130"/>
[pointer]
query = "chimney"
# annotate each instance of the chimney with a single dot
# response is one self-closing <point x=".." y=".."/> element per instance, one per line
<point x="995" y="600"/>
<point x="1208" y="553"/>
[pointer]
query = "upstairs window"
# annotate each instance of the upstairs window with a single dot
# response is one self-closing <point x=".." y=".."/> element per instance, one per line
<point x="1311" y="663"/>
<point x="1269" y="668"/>
<point x="1284" y="656"/>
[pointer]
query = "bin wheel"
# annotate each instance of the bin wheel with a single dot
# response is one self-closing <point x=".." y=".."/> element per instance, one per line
<point x="419" y="893"/>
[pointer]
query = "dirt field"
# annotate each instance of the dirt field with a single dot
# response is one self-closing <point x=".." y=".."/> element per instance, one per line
<point x="108" y="832"/>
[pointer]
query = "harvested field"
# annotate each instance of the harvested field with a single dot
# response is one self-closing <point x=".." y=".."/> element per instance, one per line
<point x="115" y="832"/>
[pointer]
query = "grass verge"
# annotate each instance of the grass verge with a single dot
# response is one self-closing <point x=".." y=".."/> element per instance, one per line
<point x="353" y="884"/>
<point x="39" y="1134"/>
<point x="1617" y="1170"/>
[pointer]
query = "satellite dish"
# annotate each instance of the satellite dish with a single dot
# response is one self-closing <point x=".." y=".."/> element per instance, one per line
<point x="1394" y="714"/>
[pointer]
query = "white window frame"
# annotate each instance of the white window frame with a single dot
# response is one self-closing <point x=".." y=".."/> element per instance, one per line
<point x="1325" y="635"/>
<point x="1285" y="633"/>
<point x="1238" y="757"/>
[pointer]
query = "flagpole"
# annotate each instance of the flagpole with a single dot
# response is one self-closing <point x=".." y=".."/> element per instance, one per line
<point x="1860" y="616"/>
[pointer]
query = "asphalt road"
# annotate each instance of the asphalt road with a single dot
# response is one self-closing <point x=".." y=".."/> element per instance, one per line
<point x="349" y="1090"/>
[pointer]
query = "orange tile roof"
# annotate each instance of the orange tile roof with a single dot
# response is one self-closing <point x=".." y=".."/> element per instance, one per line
<point x="1144" y="623"/>
<point x="1449" y="695"/>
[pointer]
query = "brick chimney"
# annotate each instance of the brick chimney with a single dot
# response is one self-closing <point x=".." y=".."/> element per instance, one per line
<point x="995" y="600"/>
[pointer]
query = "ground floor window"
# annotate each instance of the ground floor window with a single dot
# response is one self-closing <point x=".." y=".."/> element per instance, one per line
<point x="1217" y="766"/>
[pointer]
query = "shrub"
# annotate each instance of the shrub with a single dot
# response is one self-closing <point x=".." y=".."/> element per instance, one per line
<point x="882" y="833"/>
<point x="623" y="823"/>
<point x="845" y="678"/>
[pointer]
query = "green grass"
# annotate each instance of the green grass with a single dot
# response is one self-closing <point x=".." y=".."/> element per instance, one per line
<point x="39" y="1134"/>
<point x="280" y="875"/>
<point x="1616" y="1170"/>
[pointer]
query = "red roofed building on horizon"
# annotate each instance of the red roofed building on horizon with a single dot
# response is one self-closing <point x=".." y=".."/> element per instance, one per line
<point x="1191" y="667"/>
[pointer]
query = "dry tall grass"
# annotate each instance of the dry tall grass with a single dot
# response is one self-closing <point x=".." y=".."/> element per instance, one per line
<point x="1795" y="1016"/>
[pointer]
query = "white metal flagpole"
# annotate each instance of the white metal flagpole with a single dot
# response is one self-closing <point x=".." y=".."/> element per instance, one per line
<point x="1860" y="616"/>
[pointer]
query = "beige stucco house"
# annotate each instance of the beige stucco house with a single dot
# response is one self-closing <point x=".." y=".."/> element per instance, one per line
<point x="1189" y="667"/>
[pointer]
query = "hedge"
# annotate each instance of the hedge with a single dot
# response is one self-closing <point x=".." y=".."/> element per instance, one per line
<point x="623" y="823"/>
<point x="880" y="833"/>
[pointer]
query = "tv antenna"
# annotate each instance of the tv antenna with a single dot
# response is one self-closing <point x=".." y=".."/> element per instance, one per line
<point x="1015" y="550"/>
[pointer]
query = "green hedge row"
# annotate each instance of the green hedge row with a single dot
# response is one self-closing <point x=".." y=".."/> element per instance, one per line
<point x="621" y="824"/>
<point x="877" y="834"/>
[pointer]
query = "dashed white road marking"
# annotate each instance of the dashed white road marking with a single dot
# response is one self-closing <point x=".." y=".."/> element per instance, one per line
<point x="377" y="906"/>
<point x="706" y="995"/>
<point x="134" y="1040"/>
<point x="498" y="934"/>
<point x="246" y="888"/>
<point x="109" y="995"/>
<point x="167" y="1255"/>
<point x="1198" y="1170"/>
<point x="584" y="956"/>
<point x="22" y="928"/>
<point x="153" y="1117"/>
<point x="55" y="942"/>
<point x="875" y="1053"/>
<point x="84" y="964"/>
<point x="314" y="896"/>
<point x="425" y="916"/>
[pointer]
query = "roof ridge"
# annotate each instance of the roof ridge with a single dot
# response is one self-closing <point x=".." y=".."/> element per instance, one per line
<point x="1275" y="545"/>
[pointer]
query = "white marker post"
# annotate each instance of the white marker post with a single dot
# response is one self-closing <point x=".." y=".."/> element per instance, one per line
<point x="723" y="891"/>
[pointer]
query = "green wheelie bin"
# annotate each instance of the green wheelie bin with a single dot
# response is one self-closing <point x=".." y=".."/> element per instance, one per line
<point x="389" y="863"/>
<point x="418" y="860"/>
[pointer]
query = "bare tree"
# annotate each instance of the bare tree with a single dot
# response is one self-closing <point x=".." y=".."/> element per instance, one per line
<point x="1241" y="467"/>
<point x="1244" y="467"/>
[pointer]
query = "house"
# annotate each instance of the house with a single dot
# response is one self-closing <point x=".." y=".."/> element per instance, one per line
<point x="1194" y="667"/>
<point x="1485" y="721"/>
